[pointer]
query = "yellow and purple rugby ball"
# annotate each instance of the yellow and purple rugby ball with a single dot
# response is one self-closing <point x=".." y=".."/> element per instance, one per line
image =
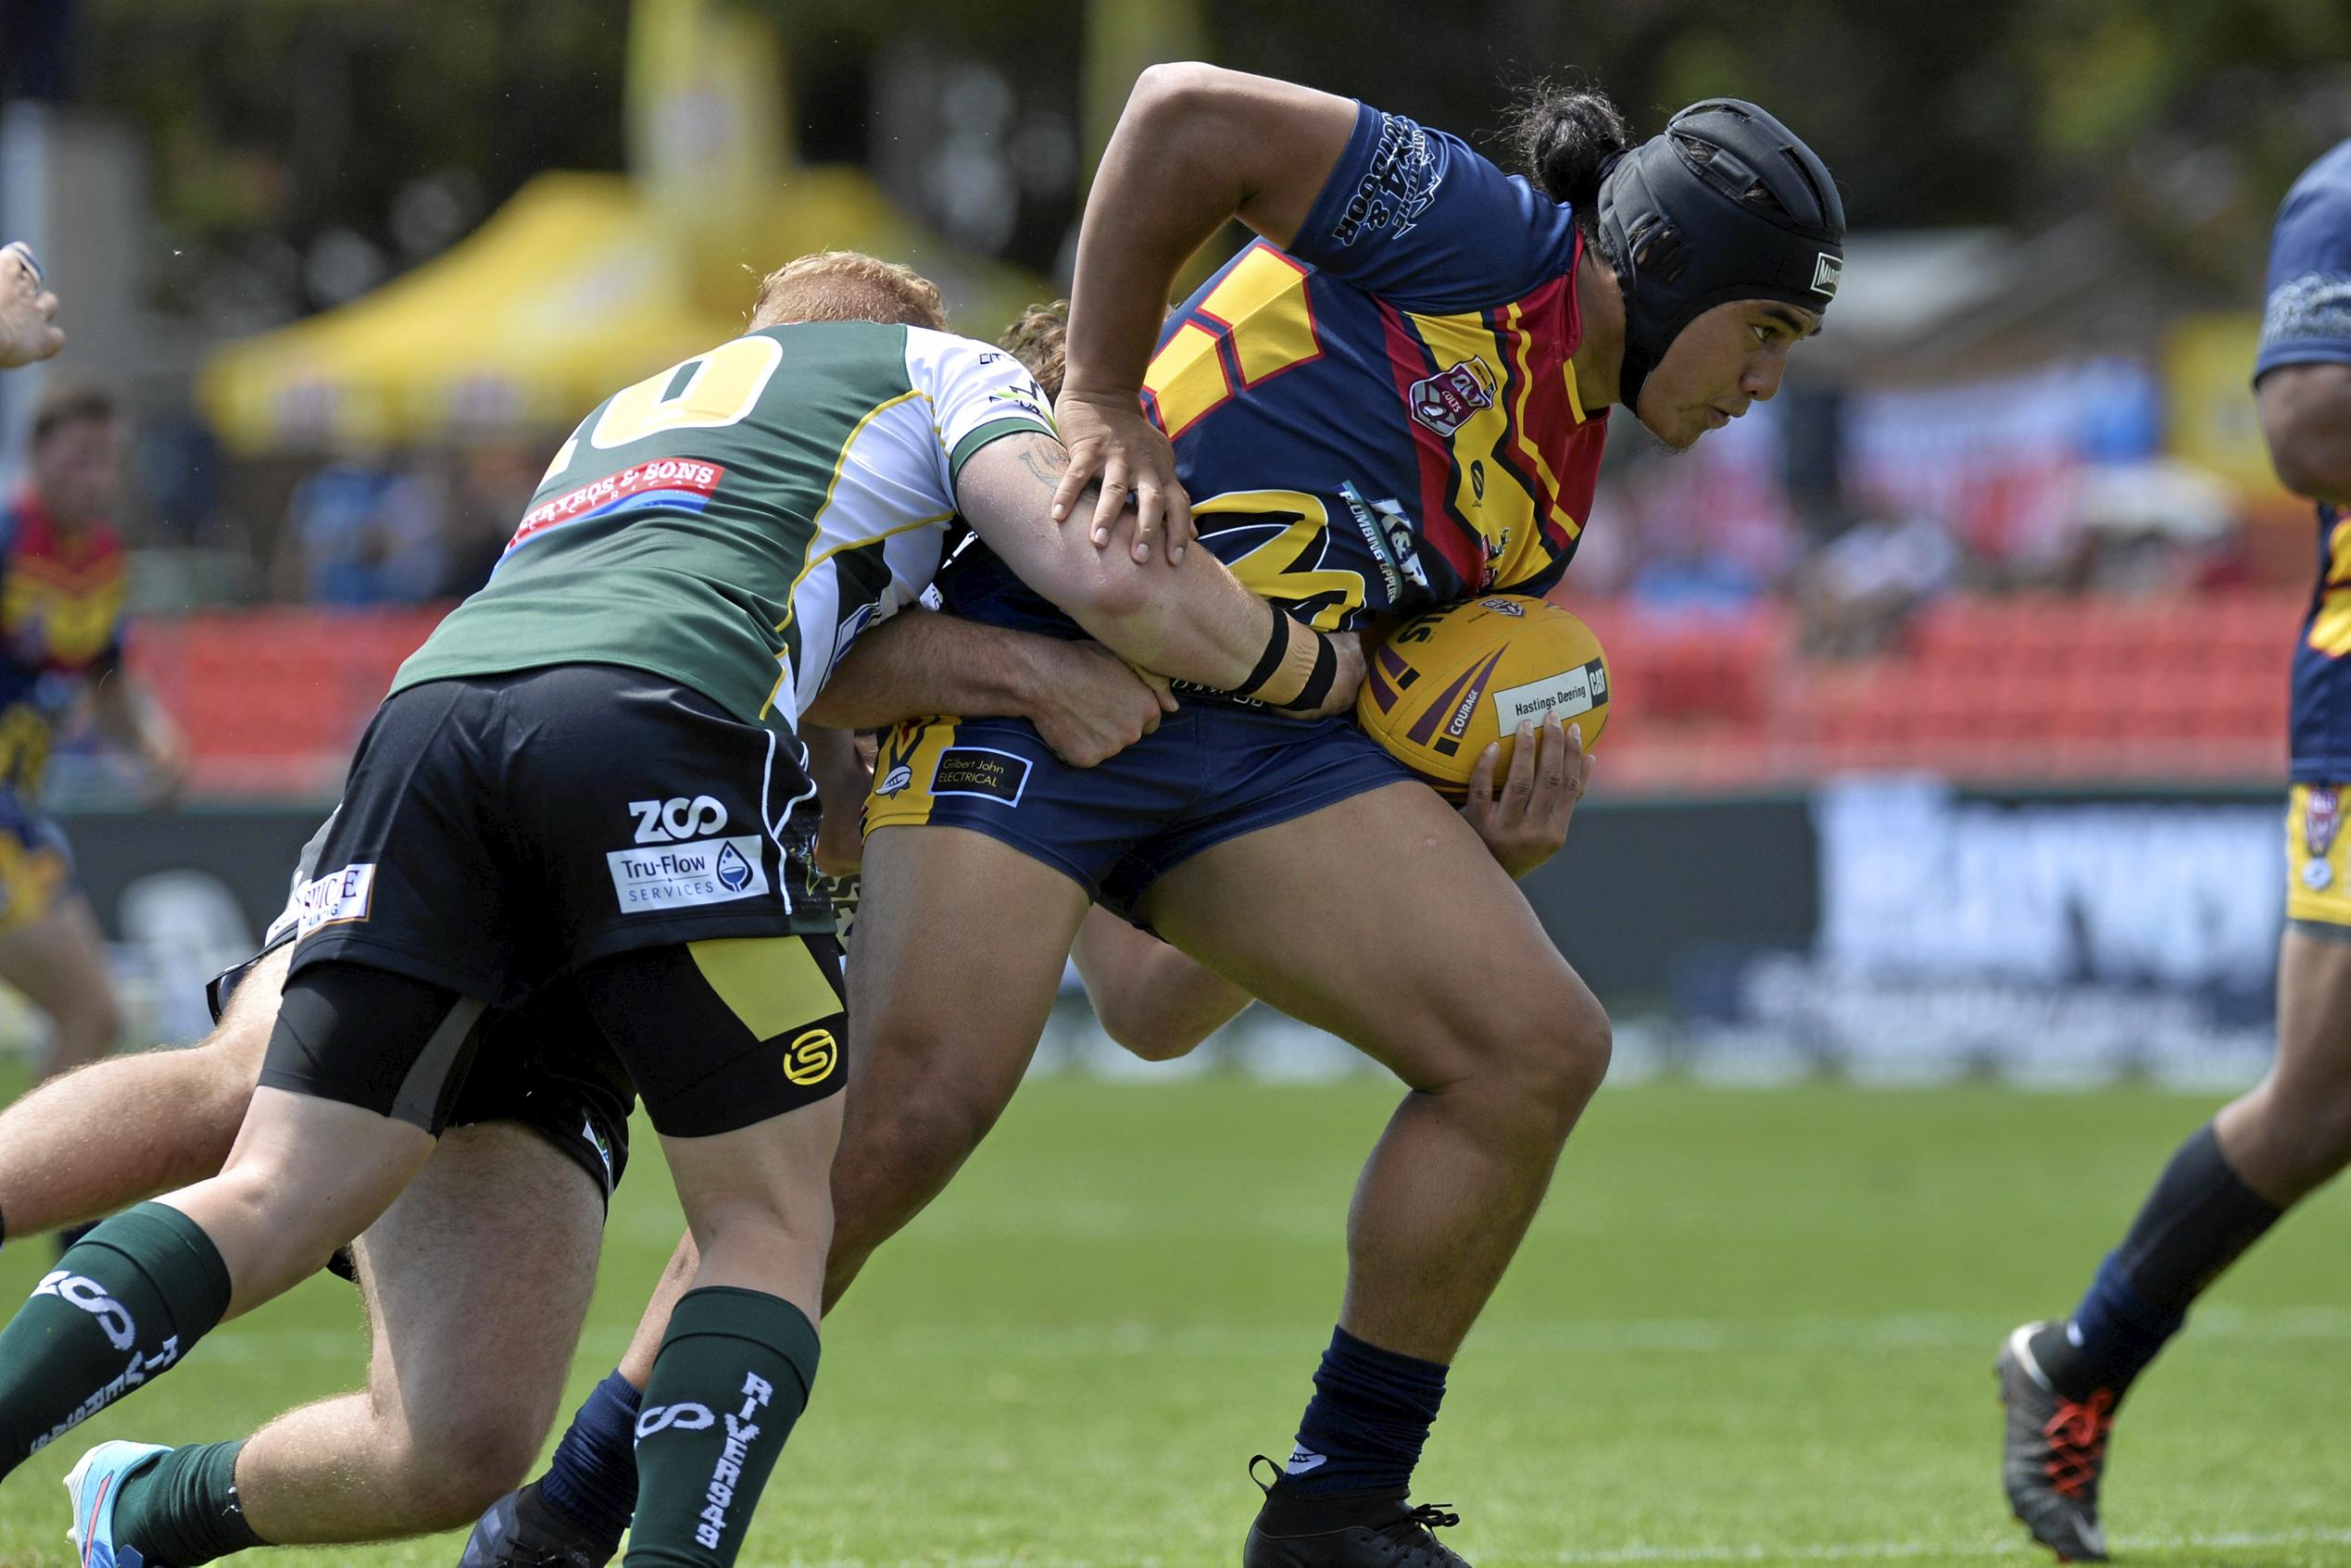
<point x="1448" y="684"/>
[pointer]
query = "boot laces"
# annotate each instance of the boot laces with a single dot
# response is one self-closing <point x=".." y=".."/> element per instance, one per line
<point x="1413" y="1530"/>
<point x="2076" y="1438"/>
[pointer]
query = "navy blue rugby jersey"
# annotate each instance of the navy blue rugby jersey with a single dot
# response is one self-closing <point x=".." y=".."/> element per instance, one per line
<point x="2307" y="320"/>
<point x="1383" y="417"/>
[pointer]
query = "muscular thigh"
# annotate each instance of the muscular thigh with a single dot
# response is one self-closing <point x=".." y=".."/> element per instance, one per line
<point x="961" y="945"/>
<point x="1381" y="919"/>
<point x="478" y="1277"/>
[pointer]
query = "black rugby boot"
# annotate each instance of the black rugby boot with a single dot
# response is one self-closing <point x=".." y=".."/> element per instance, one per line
<point x="522" y="1530"/>
<point x="1357" y="1530"/>
<point x="2053" y="1454"/>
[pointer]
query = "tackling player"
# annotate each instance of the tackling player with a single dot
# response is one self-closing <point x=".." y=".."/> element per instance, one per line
<point x="62" y="581"/>
<point x="1152" y="999"/>
<point x="653" y="629"/>
<point x="2267" y="1151"/>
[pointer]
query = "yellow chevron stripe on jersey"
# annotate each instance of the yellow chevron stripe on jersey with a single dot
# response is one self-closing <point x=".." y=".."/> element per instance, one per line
<point x="2331" y="628"/>
<point x="1526" y="446"/>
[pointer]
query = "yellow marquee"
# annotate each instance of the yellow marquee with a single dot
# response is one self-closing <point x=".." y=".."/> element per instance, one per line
<point x="578" y="285"/>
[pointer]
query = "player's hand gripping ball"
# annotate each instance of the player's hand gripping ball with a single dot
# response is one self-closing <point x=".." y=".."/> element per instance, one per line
<point x="1445" y="686"/>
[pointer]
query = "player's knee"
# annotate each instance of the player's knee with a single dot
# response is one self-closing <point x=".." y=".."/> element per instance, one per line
<point x="1573" y="1053"/>
<point x="2309" y="1133"/>
<point x="928" y="1131"/>
<point x="1155" y="1036"/>
<point x="895" y="1157"/>
<point x="1554" y="1054"/>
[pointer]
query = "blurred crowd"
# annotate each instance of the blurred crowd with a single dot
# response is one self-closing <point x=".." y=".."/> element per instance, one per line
<point x="1856" y="509"/>
<point x="1861" y="509"/>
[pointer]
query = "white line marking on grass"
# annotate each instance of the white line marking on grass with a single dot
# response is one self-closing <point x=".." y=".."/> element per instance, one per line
<point x="1697" y="1335"/>
<point x="1895" y="1551"/>
<point x="2005" y="1544"/>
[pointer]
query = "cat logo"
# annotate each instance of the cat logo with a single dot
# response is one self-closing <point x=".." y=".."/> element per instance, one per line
<point x="811" y="1057"/>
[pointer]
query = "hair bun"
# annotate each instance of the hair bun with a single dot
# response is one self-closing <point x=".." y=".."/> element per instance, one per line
<point x="1565" y="138"/>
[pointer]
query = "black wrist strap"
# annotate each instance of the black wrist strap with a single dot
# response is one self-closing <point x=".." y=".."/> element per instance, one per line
<point x="1310" y="695"/>
<point x="1277" y="648"/>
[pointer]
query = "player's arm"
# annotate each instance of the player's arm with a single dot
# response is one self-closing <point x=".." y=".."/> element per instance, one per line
<point x="1195" y="147"/>
<point x="841" y="778"/>
<point x="2305" y="418"/>
<point x="28" y="312"/>
<point x="1151" y="998"/>
<point x="128" y="716"/>
<point x="1188" y="620"/>
<point x="1086" y="701"/>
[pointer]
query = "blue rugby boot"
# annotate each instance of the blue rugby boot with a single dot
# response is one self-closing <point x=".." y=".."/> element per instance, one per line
<point x="91" y="1487"/>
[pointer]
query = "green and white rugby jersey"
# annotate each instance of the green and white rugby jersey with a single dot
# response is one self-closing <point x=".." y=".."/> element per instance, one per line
<point x="734" y="522"/>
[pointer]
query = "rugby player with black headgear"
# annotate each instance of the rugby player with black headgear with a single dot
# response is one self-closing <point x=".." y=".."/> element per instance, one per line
<point x="2062" y="1381"/>
<point x="1395" y="399"/>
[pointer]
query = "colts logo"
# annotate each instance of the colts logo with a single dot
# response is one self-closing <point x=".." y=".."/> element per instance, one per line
<point x="1446" y="402"/>
<point x="2321" y="820"/>
<point x="811" y="1057"/>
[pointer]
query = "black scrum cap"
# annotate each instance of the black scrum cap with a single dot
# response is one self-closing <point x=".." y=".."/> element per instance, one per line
<point x="1726" y="203"/>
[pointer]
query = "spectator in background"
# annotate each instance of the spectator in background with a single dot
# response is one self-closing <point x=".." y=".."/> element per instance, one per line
<point x="2153" y="529"/>
<point x="1860" y="591"/>
<point x="369" y="533"/>
<point x="61" y="630"/>
<point x="494" y="487"/>
<point x="28" y="312"/>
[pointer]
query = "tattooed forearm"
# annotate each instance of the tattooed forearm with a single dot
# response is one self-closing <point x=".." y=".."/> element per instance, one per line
<point x="1044" y="459"/>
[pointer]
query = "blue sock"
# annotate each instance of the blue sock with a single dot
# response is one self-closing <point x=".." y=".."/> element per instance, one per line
<point x="593" y="1476"/>
<point x="2115" y="1331"/>
<point x="1363" y="1430"/>
<point x="2199" y="1219"/>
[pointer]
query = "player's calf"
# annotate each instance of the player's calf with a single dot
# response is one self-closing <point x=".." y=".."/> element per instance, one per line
<point x="2289" y="1142"/>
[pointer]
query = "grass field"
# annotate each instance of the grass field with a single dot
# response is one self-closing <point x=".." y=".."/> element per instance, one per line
<point x="1750" y="1328"/>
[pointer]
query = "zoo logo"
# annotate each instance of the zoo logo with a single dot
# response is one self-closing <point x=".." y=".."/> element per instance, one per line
<point x="90" y="1296"/>
<point x="811" y="1057"/>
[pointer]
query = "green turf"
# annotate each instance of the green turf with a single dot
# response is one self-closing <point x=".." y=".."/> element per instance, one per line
<point x="1753" y="1328"/>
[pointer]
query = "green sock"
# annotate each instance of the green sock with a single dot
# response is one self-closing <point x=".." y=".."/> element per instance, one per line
<point x="118" y="1308"/>
<point x="732" y="1376"/>
<point x="181" y="1511"/>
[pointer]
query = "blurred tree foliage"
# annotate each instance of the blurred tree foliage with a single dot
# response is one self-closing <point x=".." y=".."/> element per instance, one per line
<point x="2179" y="122"/>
